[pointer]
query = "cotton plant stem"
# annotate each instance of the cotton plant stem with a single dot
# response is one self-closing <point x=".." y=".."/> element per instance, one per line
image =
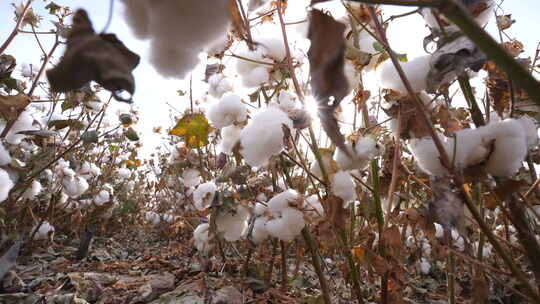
<point x="283" y="264"/>
<point x="476" y="113"/>
<point x="315" y="260"/>
<point x="446" y="163"/>
<point x="16" y="29"/>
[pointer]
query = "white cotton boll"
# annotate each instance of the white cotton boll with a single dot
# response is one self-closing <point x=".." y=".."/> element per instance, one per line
<point x="43" y="231"/>
<point x="169" y="218"/>
<point x="365" y="149"/>
<point x="227" y="111"/>
<point x="343" y="186"/>
<point x="23" y="123"/>
<point x="5" y="185"/>
<point x="219" y="46"/>
<point x="256" y="77"/>
<point x="263" y="136"/>
<point x="219" y="85"/>
<point x="531" y="129"/>
<point x="425" y="266"/>
<point x="439" y="231"/>
<point x="153" y="218"/>
<point x="48" y="174"/>
<point x="259" y="209"/>
<point x="123" y="172"/>
<point x="229" y="137"/>
<point x="287" y="226"/>
<point x="273" y="47"/>
<point x="204" y="195"/>
<point x="191" y="177"/>
<point x="74" y="186"/>
<point x="201" y="237"/>
<point x="261" y="197"/>
<point x="33" y="190"/>
<point x="233" y="225"/>
<point x="281" y="201"/>
<point x="510" y="147"/>
<point x="102" y="197"/>
<point x="286" y="101"/>
<point x="68" y="172"/>
<point x="259" y="233"/>
<point x="136" y="13"/>
<point x="313" y="202"/>
<point x="5" y="158"/>
<point x="416" y="71"/>
<point x="250" y="60"/>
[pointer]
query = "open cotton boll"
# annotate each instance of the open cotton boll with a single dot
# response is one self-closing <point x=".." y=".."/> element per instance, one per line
<point x="281" y="201"/>
<point x="256" y="77"/>
<point x="531" y="129"/>
<point x="227" y="111"/>
<point x="273" y="47"/>
<point x="201" y="237"/>
<point x="229" y="137"/>
<point x="313" y="202"/>
<point x="365" y="149"/>
<point x="259" y="233"/>
<point x="153" y="218"/>
<point x="219" y="85"/>
<point x="5" y="185"/>
<point x="204" y="195"/>
<point x="5" y="158"/>
<point x="249" y="60"/>
<point x="123" y="172"/>
<point x="102" y="197"/>
<point x="23" y="123"/>
<point x="415" y="69"/>
<point x="43" y="231"/>
<point x="191" y="177"/>
<point x="425" y="266"/>
<point x="74" y="186"/>
<point x="33" y="190"/>
<point x="510" y="147"/>
<point x="286" y="101"/>
<point x="287" y="226"/>
<point x="263" y="136"/>
<point x="259" y="209"/>
<point x="233" y="225"/>
<point x="343" y="186"/>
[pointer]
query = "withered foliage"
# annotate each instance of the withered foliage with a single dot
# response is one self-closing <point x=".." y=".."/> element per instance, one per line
<point x="94" y="57"/>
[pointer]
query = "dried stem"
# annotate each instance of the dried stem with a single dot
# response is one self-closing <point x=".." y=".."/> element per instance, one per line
<point x="16" y="29"/>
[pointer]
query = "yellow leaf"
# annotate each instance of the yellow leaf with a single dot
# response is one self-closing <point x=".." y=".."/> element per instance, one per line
<point x="359" y="254"/>
<point x="194" y="129"/>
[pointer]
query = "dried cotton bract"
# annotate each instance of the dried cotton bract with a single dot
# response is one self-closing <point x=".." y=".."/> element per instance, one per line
<point x="179" y="30"/>
<point x="263" y="136"/>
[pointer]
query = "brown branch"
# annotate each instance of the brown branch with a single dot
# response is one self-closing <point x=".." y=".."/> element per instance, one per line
<point x="16" y="29"/>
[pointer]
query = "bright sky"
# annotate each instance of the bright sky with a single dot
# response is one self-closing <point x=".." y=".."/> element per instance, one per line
<point x="154" y="92"/>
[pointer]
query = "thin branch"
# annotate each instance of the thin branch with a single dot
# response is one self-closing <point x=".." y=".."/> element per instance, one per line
<point x="16" y="29"/>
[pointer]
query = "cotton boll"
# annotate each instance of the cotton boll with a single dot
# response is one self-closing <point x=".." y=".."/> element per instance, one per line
<point x="259" y="233"/>
<point x="365" y="149"/>
<point x="102" y="197"/>
<point x="227" y="111"/>
<point x="204" y="195"/>
<point x="287" y="226"/>
<point x="5" y="158"/>
<point x="229" y="137"/>
<point x="263" y="136"/>
<point x="425" y="266"/>
<point x="5" y="185"/>
<point x="43" y="231"/>
<point x="416" y="71"/>
<point x="273" y="47"/>
<point x="529" y="126"/>
<point x="219" y="85"/>
<point x="510" y="147"/>
<point x="256" y="77"/>
<point x="33" y="190"/>
<point x="259" y="209"/>
<point x="249" y="60"/>
<point x="123" y="172"/>
<point x="74" y="186"/>
<point x="23" y="123"/>
<point x="439" y="231"/>
<point x="343" y="186"/>
<point x="191" y="177"/>
<point x="153" y="218"/>
<point x="286" y="101"/>
<point x="281" y="201"/>
<point x="233" y="225"/>
<point x="201" y="237"/>
<point x="313" y="202"/>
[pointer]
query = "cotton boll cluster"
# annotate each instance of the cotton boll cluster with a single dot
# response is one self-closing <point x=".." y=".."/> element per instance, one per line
<point x="204" y="195"/>
<point x="343" y="186"/>
<point x="363" y="151"/>
<point x="229" y="137"/>
<point x="33" y="190"/>
<point x="252" y="68"/>
<point x="219" y="85"/>
<point x="5" y="157"/>
<point x="191" y="177"/>
<point x="102" y="197"/>
<point x="6" y="184"/>
<point x="44" y="230"/>
<point x="89" y="170"/>
<point x="415" y="69"/>
<point x="227" y="111"/>
<point x="263" y="136"/>
<point x="288" y="221"/>
<point x="233" y="224"/>
<point x="179" y="30"/>
<point x="201" y="237"/>
<point x="74" y="186"/>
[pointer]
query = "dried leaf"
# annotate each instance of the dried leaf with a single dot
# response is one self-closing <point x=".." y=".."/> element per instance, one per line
<point x="505" y="22"/>
<point x="236" y="19"/>
<point x="12" y="106"/>
<point x="98" y="57"/>
<point x="514" y="47"/>
<point x="194" y="129"/>
<point x="326" y="60"/>
<point x="7" y="65"/>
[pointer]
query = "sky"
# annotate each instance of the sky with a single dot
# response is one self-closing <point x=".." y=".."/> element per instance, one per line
<point x="155" y="94"/>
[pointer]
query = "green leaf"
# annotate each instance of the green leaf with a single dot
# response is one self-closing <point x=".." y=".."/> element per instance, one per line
<point x="378" y="47"/>
<point x="125" y="119"/>
<point x="403" y="57"/>
<point x="64" y="123"/>
<point x="194" y="129"/>
<point x="53" y="8"/>
<point x="90" y="137"/>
